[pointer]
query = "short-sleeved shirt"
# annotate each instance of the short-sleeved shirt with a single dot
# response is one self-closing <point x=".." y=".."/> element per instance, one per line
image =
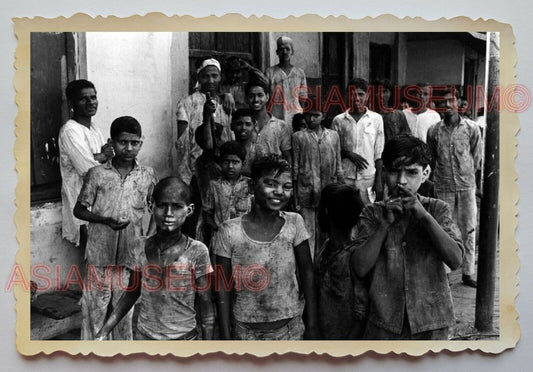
<point x="409" y="274"/>
<point x="77" y="146"/>
<point x="273" y="138"/>
<point x="190" y="109"/>
<point x="107" y="194"/>
<point x="168" y="290"/>
<point x="266" y="271"/>
<point x="342" y="296"/>
<point x="420" y="123"/>
<point x="285" y="87"/>
<point x="226" y="200"/>
<point x="317" y="162"/>
<point x="364" y="137"/>
<point x="456" y="151"/>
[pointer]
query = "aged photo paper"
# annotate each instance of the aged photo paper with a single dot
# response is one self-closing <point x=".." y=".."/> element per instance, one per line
<point x="142" y="66"/>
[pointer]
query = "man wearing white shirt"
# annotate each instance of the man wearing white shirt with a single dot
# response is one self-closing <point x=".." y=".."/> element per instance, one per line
<point x="421" y="118"/>
<point x="362" y="140"/>
<point x="81" y="147"/>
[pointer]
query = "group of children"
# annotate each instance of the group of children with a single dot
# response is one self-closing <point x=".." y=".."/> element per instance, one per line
<point x="293" y="233"/>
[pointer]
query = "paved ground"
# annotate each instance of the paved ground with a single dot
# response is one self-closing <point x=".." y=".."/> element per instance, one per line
<point x="464" y="301"/>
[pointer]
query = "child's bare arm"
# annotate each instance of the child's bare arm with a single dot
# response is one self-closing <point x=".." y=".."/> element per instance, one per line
<point x="81" y="212"/>
<point x="125" y="303"/>
<point x="364" y="257"/>
<point x="305" y="268"/>
<point x="447" y="247"/>
<point x="224" y="295"/>
<point x="207" y="314"/>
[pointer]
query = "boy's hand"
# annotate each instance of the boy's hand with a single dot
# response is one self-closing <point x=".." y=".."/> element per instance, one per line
<point x="117" y="224"/>
<point x="411" y="203"/>
<point x="209" y="107"/>
<point x="107" y="150"/>
<point x="228" y="103"/>
<point x="392" y="207"/>
<point x="358" y="160"/>
<point x="378" y="189"/>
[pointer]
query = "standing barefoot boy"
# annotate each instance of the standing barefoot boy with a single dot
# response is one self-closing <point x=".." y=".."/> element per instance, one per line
<point x="272" y="245"/>
<point x="113" y="199"/>
<point x="174" y="269"/>
<point x="404" y="243"/>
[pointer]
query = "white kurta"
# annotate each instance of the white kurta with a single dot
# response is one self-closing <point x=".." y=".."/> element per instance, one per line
<point x="77" y="146"/>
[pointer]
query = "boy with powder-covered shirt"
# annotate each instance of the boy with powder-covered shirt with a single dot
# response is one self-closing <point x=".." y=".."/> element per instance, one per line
<point x="113" y="199"/>
<point x="227" y="196"/>
<point x="272" y="244"/>
<point x="316" y="163"/>
<point x="402" y="245"/>
<point x="173" y="273"/>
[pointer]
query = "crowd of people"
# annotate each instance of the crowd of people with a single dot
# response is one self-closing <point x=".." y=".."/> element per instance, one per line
<point x="275" y="224"/>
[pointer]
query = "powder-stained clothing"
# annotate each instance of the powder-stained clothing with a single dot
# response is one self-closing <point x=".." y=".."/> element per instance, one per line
<point x="273" y="138"/>
<point x="420" y="123"/>
<point x="409" y="274"/>
<point x="225" y="200"/>
<point x="104" y="287"/>
<point x="292" y="331"/>
<point x="342" y="296"/>
<point x="456" y="151"/>
<point x="394" y="124"/>
<point x="286" y="88"/>
<point x="266" y="271"/>
<point x="169" y="286"/>
<point x="106" y="193"/>
<point x="364" y="137"/>
<point x="464" y="212"/>
<point x="316" y="163"/>
<point x="77" y="146"/>
<point x="190" y="109"/>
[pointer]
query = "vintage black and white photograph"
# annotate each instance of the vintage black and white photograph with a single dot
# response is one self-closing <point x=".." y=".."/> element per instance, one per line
<point x="265" y="186"/>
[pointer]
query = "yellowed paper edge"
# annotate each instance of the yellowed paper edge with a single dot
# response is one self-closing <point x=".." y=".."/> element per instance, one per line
<point x="153" y="22"/>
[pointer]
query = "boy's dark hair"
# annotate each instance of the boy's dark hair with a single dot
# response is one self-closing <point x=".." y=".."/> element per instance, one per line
<point x="256" y="82"/>
<point x="126" y="124"/>
<point x="358" y="83"/>
<point x="172" y="181"/>
<point x="75" y="86"/>
<point x="340" y="205"/>
<point x="242" y="112"/>
<point x="453" y="90"/>
<point x="232" y="148"/>
<point x="412" y="149"/>
<point x="268" y="163"/>
<point x="296" y="122"/>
